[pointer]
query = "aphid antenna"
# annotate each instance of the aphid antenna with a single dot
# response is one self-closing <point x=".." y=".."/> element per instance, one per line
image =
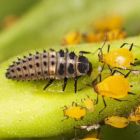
<point x="100" y="54"/>
<point x="125" y="75"/>
<point x="99" y="49"/>
<point x="131" y="45"/>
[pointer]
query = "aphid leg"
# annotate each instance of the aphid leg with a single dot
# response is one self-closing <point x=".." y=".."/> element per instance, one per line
<point x="65" y="83"/>
<point x="133" y="64"/>
<point x="105" y="39"/>
<point x="119" y="100"/>
<point x="99" y="76"/>
<point x="131" y="46"/>
<point x="75" y="84"/>
<point x="102" y="68"/>
<point x="125" y="75"/>
<point x="108" y="48"/>
<point x="97" y="99"/>
<point x="131" y="93"/>
<point x="48" y="84"/>
<point x="105" y="105"/>
<point x="109" y="68"/>
<point x="113" y="72"/>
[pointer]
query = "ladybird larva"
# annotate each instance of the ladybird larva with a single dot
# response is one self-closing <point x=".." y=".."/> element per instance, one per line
<point x="50" y="65"/>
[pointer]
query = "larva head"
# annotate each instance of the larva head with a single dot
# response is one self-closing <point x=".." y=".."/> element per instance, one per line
<point x="83" y="66"/>
<point x="117" y="121"/>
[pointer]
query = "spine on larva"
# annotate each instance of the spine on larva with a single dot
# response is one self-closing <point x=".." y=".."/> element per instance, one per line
<point x="46" y="65"/>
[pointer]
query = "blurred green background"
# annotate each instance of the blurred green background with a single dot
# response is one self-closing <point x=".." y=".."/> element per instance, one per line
<point x="34" y="24"/>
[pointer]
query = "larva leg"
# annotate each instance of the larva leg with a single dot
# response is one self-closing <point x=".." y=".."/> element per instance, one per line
<point x="65" y="83"/>
<point x="75" y="84"/>
<point x="48" y="84"/>
<point x="105" y="105"/>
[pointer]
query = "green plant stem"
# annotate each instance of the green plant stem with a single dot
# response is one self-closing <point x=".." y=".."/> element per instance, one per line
<point x="28" y="111"/>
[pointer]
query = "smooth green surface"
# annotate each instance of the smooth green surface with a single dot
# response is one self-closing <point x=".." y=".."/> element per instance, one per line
<point x="28" y="111"/>
<point x="15" y="7"/>
<point x="45" y="24"/>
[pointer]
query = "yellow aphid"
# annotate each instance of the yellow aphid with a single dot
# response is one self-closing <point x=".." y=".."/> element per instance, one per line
<point x="135" y="116"/>
<point x="75" y="112"/>
<point x="115" y="34"/>
<point x="100" y="36"/>
<point x="91" y="137"/>
<point x="109" y="23"/>
<point x="116" y="121"/>
<point x="116" y="86"/>
<point x="89" y="104"/>
<point x="121" y="58"/>
<point x="72" y="38"/>
<point x="93" y="37"/>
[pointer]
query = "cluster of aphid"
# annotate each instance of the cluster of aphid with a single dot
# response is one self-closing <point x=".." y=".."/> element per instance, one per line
<point x="64" y="65"/>
<point x="112" y="27"/>
<point x="78" y="112"/>
<point x="116" y="60"/>
<point x="113" y="121"/>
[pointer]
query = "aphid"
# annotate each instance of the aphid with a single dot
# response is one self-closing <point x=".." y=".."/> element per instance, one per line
<point x="114" y="121"/>
<point x="90" y="137"/>
<point x="109" y="23"/>
<point x="99" y="36"/>
<point x="74" y="111"/>
<point x="135" y="115"/>
<point x="72" y="38"/>
<point x="115" y="34"/>
<point x="88" y="104"/>
<point x="114" y="86"/>
<point x="117" y="121"/>
<point x="50" y="65"/>
<point x="93" y="37"/>
<point x="120" y="58"/>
